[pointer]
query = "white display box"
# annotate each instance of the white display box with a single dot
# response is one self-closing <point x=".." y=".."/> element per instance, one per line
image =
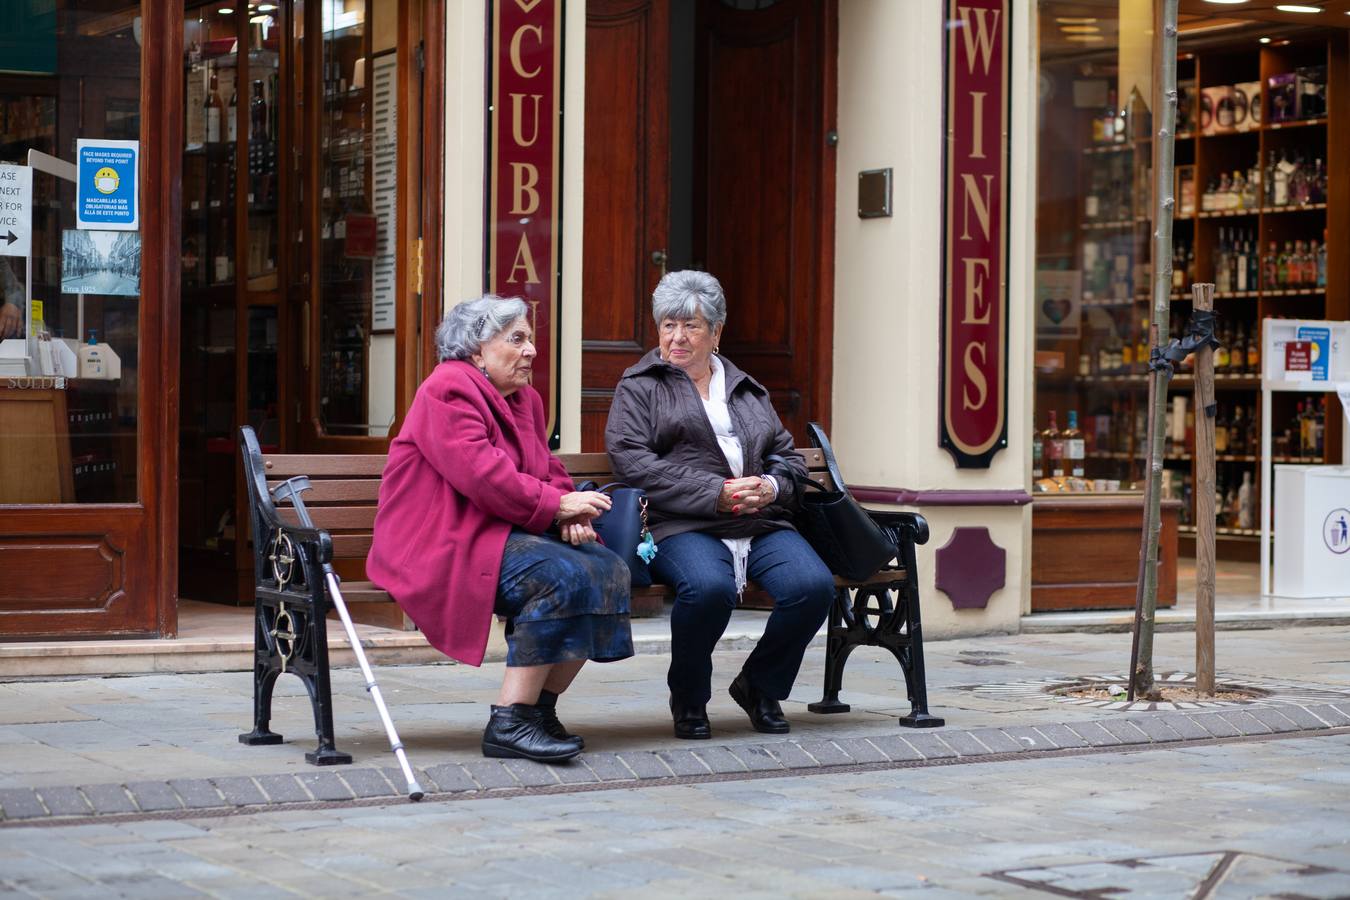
<point x="1312" y="531"/>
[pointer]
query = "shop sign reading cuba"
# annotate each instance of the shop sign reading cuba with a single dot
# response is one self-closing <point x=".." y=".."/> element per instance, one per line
<point x="525" y="134"/>
<point x="974" y="423"/>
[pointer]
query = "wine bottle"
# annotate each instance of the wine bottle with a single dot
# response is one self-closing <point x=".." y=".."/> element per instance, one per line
<point x="213" y="111"/>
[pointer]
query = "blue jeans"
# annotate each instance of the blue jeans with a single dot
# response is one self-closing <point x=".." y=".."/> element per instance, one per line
<point x="699" y="567"/>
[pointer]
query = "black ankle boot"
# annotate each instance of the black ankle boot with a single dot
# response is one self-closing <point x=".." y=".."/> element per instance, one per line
<point x="766" y="716"/>
<point x="691" y="720"/>
<point x="517" y="732"/>
<point x="548" y="717"/>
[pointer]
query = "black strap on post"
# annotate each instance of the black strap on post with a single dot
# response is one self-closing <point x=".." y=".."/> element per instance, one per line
<point x="1199" y="333"/>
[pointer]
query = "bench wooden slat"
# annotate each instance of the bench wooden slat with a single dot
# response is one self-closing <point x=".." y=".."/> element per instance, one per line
<point x="316" y="465"/>
<point x="340" y="490"/>
<point x="351" y="546"/>
<point x="334" y="518"/>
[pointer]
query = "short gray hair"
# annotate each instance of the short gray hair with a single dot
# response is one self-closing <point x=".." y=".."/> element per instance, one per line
<point x="472" y="323"/>
<point x="689" y="293"/>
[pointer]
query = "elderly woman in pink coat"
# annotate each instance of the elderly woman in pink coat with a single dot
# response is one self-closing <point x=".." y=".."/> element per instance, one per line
<point x="477" y="517"/>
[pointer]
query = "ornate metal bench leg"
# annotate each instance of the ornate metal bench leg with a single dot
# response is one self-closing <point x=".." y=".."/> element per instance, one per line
<point x="837" y="648"/>
<point x="911" y="662"/>
<point x="320" y="690"/>
<point x="264" y="679"/>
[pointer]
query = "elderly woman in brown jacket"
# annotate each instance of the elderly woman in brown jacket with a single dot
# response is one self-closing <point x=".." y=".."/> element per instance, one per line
<point x="702" y="439"/>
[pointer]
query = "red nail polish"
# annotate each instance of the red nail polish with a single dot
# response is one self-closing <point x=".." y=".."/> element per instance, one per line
<point x="735" y="509"/>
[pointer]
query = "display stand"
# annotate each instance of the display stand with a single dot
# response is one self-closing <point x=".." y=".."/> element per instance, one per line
<point x="1304" y="355"/>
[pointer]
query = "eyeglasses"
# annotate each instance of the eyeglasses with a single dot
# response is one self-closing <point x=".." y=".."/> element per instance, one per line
<point x="517" y="338"/>
<point x="692" y="328"/>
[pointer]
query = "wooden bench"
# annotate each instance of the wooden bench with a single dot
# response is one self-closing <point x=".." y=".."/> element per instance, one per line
<point x="291" y="602"/>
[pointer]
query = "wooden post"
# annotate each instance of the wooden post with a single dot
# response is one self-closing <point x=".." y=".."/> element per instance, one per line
<point x="1203" y="297"/>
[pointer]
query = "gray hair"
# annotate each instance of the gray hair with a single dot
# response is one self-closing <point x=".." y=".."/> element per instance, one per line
<point x="472" y="323"/>
<point x="689" y="293"/>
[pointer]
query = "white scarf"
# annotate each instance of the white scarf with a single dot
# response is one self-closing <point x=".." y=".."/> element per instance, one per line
<point x="719" y="416"/>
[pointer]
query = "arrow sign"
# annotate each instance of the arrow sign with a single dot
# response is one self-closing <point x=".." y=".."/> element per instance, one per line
<point x="16" y="210"/>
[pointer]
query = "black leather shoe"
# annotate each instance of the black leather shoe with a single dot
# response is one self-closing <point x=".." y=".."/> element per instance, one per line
<point x="691" y="720"/>
<point x="517" y="732"/>
<point x="766" y="716"/>
<point x="548" y="717"/>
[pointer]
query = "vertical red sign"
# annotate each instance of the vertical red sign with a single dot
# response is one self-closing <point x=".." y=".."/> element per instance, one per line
<point x="524" y="149"/>
<point x="975" y="232"/>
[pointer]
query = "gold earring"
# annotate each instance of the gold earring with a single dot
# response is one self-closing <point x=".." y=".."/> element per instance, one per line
<point x="717" y="349"/>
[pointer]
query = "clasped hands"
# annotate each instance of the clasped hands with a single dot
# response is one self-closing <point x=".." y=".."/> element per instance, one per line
<point x="576" y="511"/>
<point x="745" y="496"/>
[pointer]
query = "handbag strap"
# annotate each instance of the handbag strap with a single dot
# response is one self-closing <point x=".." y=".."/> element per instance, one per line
<point x="804" y="481"/>
<point x="590" y="485"/>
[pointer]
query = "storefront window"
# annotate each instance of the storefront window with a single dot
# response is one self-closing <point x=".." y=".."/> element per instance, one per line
<point x="70" y="260"/>
<point x="1253" y="215"/>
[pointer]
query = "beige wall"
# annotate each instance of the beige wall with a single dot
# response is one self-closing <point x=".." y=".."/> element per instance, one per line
<point x="888" y="289"/>
<point x="466" y="25"/>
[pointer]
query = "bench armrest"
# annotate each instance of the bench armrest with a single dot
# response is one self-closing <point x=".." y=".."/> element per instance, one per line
<point x="907" y="524"/>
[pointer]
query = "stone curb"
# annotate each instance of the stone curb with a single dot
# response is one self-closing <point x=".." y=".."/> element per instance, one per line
<point x="484" y="776"/>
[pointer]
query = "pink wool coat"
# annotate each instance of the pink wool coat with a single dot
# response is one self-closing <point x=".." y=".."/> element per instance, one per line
<point x="467" y="465"/>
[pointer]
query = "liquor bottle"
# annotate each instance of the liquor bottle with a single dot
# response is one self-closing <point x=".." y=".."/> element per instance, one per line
<point x="1220" y="431"/>
<point x="1037" y="454"/>
<point x="1253" y="263"/>
<point x="1270" y="268"/>
<point x="1296" y="433"/>
<point x="1141" y="347"/>
<point x="1247" y="501"/>
<point x="1237" y="352"/>
<point x="1254" y="351"/>
<point x="231" y="117"/>
<point x="1237" y="433"/>
<point x="1053" y="448"/>
<point x="1074" y="450"/>
<point x="1282" y="266"/>
<point x="1321" y="278"/>
<point x="213" y="112"/>
<point x="257" y="113"/>
<point x="1221" y="351"/>
<point x="1281" y="182"/>
<point x="1179" y="267"/>
<point x="1221" y="279"/>
<point x="1126" y="352"/>
<point x="1319" y="430"/>
<point x="1240" y="266"/>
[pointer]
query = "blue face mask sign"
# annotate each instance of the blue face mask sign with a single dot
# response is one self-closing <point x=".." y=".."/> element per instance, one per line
<point x="107" y="196"/>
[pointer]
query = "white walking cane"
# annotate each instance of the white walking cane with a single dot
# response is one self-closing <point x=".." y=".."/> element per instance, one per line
<point x="290" y="490"/>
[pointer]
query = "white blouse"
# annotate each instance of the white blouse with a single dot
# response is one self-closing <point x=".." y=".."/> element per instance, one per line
<point x="719" y="416"/>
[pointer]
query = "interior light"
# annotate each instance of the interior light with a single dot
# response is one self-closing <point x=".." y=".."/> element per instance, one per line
<point x="1084" y="38"/>
<point x="1265" y="40"/>
<point x="266" y="7"/>
<point x="1229" y="2"/>
<point x="1079" y="29"/>
<point x="1298" y="8"/>
<point x="226" y="10"/>
<point x="1076" y="20"/>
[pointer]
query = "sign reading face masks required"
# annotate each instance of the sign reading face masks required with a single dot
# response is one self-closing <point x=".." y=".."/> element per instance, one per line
<point x="974" y="424"/>
<point x="524" y="206"/>
<point x="107" y="197"/>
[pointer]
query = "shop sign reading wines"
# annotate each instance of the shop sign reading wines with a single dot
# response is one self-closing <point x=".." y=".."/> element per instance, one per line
<point x="523" y="171"/>
<point x="974" y="422"/>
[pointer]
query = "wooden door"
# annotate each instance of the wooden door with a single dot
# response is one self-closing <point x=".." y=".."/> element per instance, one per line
<point x="764" y="191"/>
<point x="627" y="202"/>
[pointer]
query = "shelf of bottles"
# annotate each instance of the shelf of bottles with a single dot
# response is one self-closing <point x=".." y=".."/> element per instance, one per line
<point x="346" y="221"/>
<point x="1251" y="181"/>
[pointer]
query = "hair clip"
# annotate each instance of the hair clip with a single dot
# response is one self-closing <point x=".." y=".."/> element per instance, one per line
<point x="478" y="327"/>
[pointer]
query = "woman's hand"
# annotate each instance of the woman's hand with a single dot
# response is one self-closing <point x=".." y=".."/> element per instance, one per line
<point x="745" y="496"/>
<point x="585" y="505"/>
<point x="577" y="532"/>
<point x="11" y="319"/>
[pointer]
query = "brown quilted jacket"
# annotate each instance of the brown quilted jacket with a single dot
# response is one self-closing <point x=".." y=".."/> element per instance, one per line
<point x="659" y="439"/>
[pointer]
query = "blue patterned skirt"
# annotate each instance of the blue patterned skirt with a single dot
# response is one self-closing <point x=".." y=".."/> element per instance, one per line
<point x="561" y="602"/>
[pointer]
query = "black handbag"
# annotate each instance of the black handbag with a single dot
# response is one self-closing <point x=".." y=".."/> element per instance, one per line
<point x="841" y="532"/>
<point x="623" y="527"/>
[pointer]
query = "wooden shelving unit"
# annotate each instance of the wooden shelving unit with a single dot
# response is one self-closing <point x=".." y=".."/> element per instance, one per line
<point x="1075" y="231"/>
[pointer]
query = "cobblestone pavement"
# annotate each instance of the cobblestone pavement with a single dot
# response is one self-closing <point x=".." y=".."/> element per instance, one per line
<point x="167" y="743"/>
<point x="1260" y="818"/>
